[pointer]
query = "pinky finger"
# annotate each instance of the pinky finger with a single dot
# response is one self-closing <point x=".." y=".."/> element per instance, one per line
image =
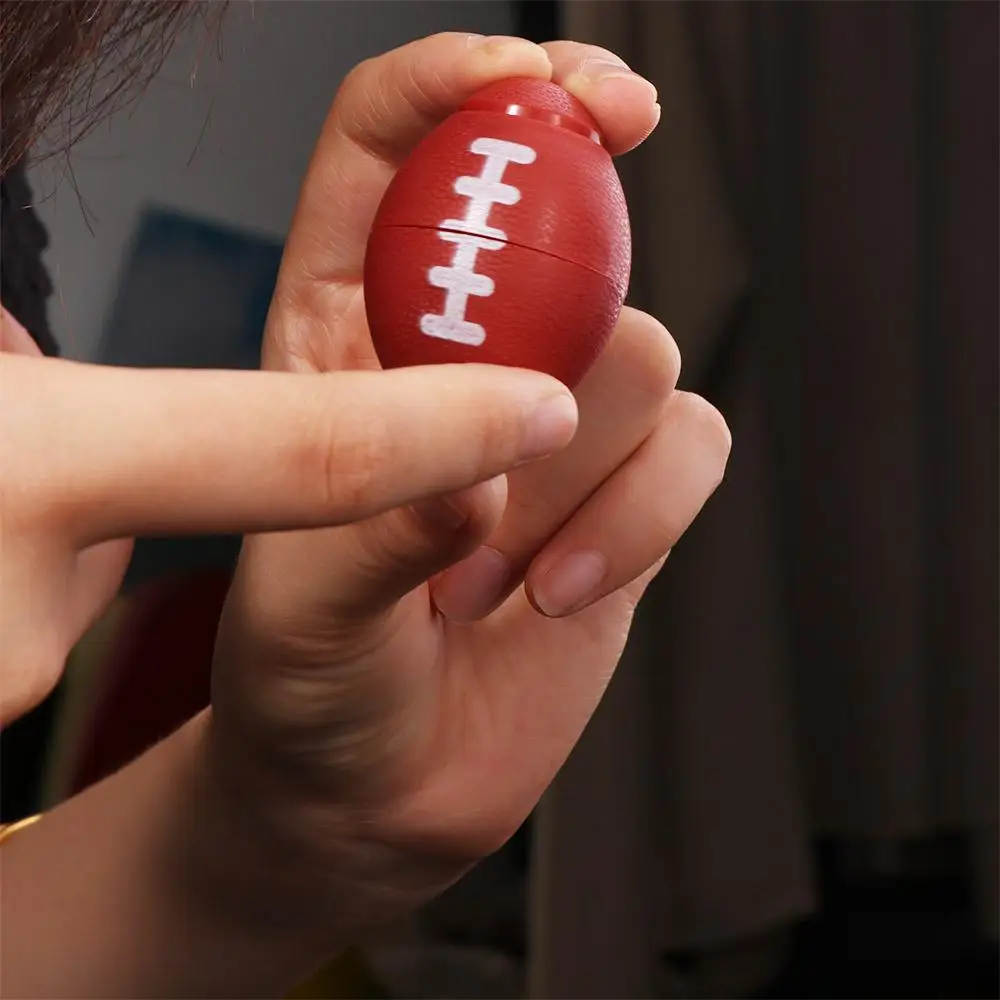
<point x="625" y="529"/>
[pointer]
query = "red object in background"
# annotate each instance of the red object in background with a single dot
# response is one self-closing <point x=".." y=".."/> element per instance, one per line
<point x="503" y="239"/>
<point x="157" y="674"/>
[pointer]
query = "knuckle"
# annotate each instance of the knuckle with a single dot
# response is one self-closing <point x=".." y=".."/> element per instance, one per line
<point x="358" y="78"/>
<point x="356" y="103"/>
<point x="669" y="522"/>
<point x="579" y="54"/>
<point x="496" y="443"/>
<point x="664" y="361"/>
<point x="401" y="79"/>
<point x="340" y="462"/>
<point x="361" y="110"/>
<point x="467" y="39"/>
<point x="705" y="421"/>
<point x="598" y="54"/>
<point x="652" y="355"/>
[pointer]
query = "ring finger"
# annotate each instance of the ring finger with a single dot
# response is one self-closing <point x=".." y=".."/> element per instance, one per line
<point x="637" y="515"/>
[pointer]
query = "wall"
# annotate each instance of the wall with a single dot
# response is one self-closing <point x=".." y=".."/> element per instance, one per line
<point x="226" y="138"/>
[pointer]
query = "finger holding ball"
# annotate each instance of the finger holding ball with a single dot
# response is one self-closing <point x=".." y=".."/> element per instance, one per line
<point x="503" y="239"/>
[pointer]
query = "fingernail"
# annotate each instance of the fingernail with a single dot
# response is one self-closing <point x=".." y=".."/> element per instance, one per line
<point x="550" y="426"/>
<point x="600" y="71"/>
<point x="505" y="45"/>
<point x="573" y="582"/>
<point x="470" y="589"/>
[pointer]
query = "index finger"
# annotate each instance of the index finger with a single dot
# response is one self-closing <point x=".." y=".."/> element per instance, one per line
<point x="106" y="452"/>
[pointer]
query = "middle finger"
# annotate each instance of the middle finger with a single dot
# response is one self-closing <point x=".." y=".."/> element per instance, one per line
<point x="620" y="403"/>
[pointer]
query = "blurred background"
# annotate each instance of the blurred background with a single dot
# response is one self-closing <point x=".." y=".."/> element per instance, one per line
<point x="791" y="789"/>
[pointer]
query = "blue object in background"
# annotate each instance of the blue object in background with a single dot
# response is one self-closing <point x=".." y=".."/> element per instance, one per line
<point x="193" y="293"/>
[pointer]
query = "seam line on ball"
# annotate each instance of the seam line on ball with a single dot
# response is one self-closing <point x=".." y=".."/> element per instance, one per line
<point x="505" y="243"/>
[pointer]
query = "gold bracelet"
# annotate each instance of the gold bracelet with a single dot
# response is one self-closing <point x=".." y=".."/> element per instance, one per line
<point x="9" y="829"/>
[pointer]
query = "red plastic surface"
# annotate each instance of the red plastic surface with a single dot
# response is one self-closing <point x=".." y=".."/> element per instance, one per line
<point x="545" y="314"/>
<point x="535" y="251"/>
<point x="536" y="99"/>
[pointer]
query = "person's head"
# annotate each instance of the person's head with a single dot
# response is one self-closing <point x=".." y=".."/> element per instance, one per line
<point x="69" y="62"/>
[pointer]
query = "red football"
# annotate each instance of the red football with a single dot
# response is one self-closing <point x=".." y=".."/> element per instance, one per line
<point x="503" y="239"/>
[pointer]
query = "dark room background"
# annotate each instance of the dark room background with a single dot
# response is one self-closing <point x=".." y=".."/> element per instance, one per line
<point x="792" y="787"/>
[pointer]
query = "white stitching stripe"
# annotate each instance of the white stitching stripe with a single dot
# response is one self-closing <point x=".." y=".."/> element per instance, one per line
<point x="460" y="280"/>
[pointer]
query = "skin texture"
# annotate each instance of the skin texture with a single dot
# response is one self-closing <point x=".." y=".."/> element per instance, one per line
<point x="438" y="579"/>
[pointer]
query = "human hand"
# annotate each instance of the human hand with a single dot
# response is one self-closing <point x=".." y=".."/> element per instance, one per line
<point x="392" y="697"/>
<point x="91" y="456"/>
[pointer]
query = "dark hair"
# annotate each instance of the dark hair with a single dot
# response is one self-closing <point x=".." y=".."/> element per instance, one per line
<point x="69" y="62"/>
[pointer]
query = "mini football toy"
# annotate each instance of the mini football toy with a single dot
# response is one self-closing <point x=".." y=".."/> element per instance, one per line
<point x="503" y="239"/>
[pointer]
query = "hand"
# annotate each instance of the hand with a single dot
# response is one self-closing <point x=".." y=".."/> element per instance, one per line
<point x="391" y="697"/>
<point x="90" y="456"/>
